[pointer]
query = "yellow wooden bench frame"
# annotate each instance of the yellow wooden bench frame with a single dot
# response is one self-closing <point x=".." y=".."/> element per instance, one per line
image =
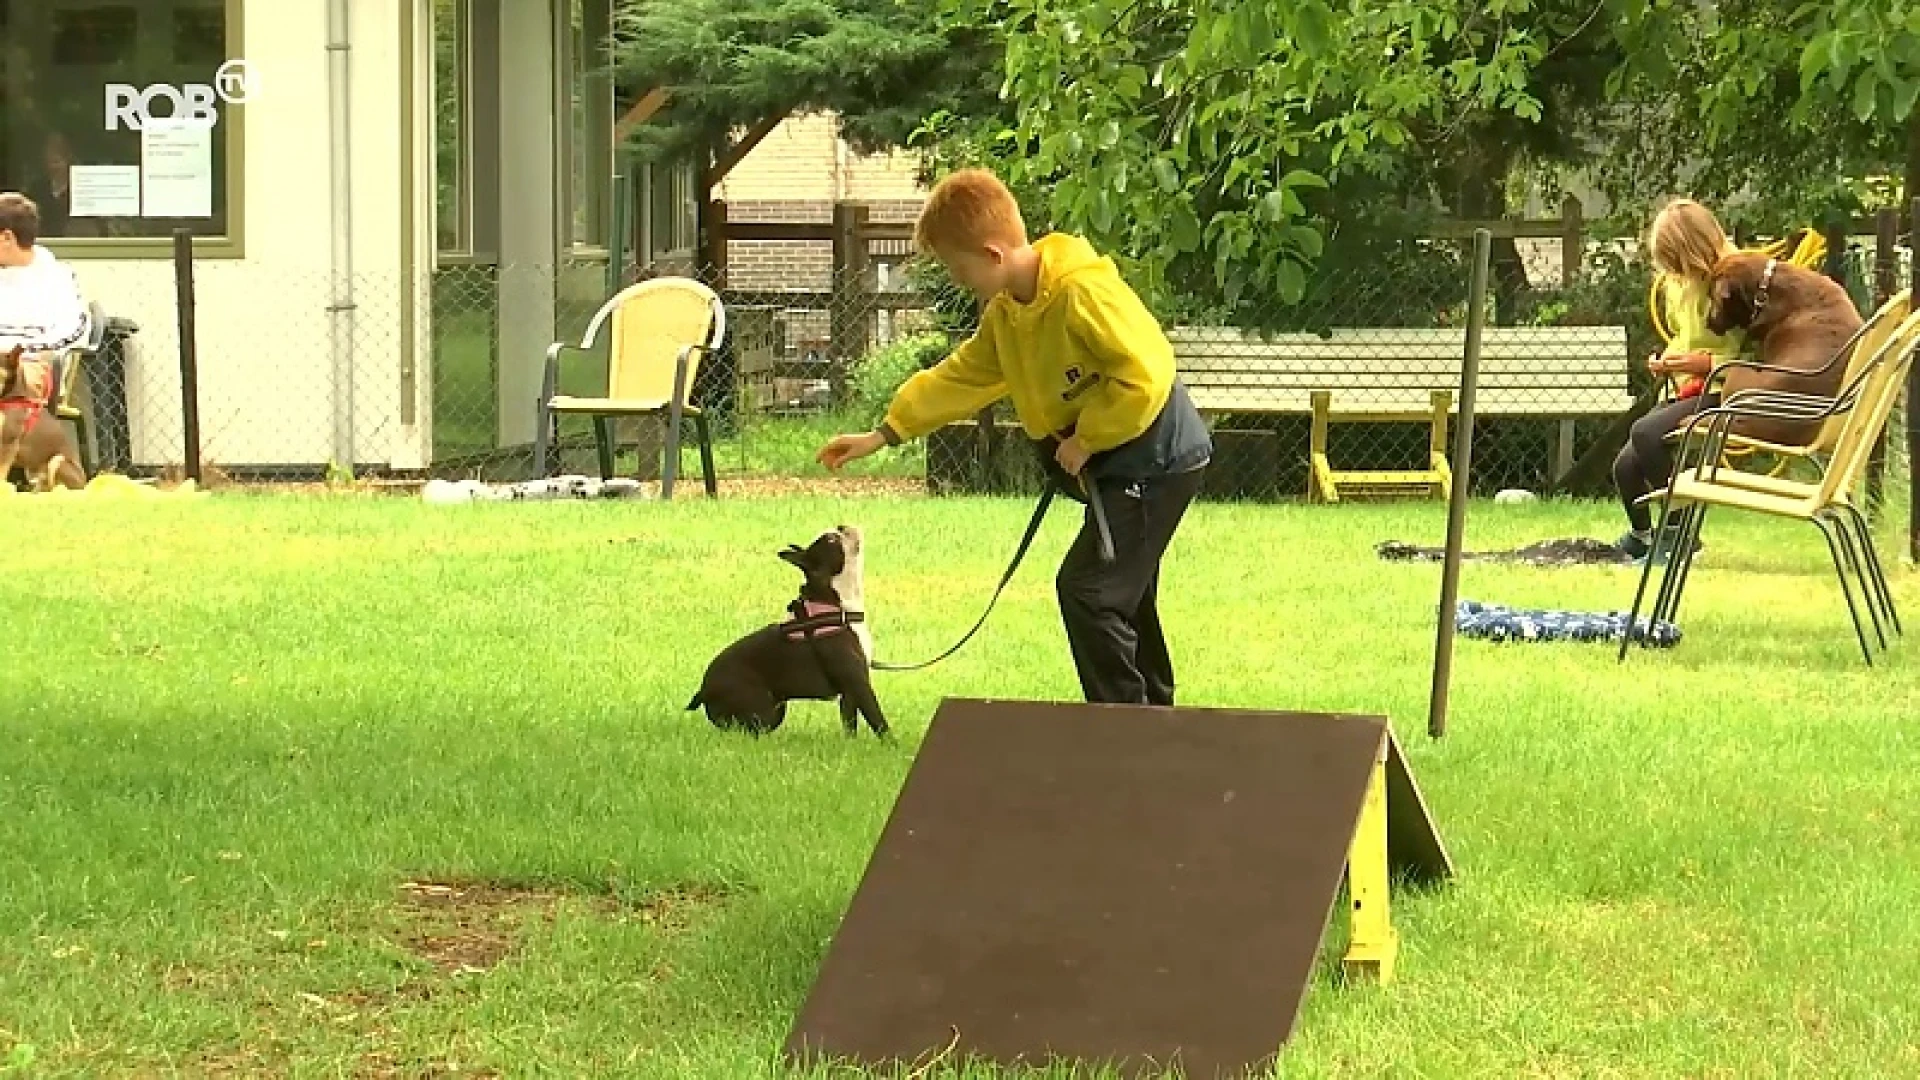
<point x="1404" y="376"/>
<point x="1326" y="483"/>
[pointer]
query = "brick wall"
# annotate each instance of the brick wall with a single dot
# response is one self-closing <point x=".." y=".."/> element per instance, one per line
<point x="794" y="176"/>
<point x="804" y="159"/>
<point x="792" y="264"/>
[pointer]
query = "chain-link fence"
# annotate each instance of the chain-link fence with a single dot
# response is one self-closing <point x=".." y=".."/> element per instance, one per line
<point x="1350" y="393"/>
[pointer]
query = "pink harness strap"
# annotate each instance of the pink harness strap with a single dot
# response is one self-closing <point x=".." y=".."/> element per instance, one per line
<point x="808" y="620"/>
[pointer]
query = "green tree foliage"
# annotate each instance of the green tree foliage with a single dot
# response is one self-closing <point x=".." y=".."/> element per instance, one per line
<point x="883" y="65"/>
<point x="1233" y="150"/>
<point x="1778" y="110"/>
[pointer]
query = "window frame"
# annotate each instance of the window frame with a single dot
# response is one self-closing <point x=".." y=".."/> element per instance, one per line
<point x="591" y="188"/>
<point x="230" y="245"/>
<point x="463" y="248"/>
<point x="679" y="176"/>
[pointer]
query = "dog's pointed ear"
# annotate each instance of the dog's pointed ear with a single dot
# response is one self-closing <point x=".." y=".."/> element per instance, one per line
<point x="794" y="555"/>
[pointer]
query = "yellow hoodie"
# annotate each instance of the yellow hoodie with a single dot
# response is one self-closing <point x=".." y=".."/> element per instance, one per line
<point x="1085" y="353"/>
<point x="1686" y="308"/>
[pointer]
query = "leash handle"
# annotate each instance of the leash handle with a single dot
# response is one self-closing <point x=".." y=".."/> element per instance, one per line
<point x="1103" y="533"/>
<point x="1033" y="529"/>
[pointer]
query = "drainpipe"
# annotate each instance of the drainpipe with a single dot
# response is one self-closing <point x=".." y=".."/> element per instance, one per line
<point x="340" y="306"/>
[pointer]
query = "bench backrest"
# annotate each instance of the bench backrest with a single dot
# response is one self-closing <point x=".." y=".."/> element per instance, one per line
<point x="1524" y="370"/>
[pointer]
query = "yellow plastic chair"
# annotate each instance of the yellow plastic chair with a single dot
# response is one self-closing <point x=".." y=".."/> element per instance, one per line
<point x="1864" y="405"/>
<point x="1866" y="341"/>
<point x="660" y="332"/>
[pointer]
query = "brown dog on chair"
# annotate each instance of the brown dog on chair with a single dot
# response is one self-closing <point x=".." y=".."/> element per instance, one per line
<point x="1798" y="319"/>
<point x="31" y="436"/>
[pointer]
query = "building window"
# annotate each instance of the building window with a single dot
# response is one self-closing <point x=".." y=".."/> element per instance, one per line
<point x="673" y="213"/>
<point x="89" y="165"/>
<point x="453" y="124"/>
<point x="587" y="136"/>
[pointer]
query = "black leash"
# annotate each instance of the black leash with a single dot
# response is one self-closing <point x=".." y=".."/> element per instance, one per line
<point x="1033" y="529"/>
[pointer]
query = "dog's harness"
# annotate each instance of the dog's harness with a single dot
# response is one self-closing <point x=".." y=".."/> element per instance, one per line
<point x="35" y="404"/>
<point x="812" y="619"/>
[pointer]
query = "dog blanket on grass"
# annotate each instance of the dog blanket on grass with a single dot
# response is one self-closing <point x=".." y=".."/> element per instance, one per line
<point x="1572" y="551"/>
<point x="559" y="487"/>
<point x="1494" y="623"/>
<point x="115" y="486"/>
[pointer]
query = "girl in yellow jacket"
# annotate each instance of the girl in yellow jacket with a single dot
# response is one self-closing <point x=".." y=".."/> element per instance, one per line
<point x="1685" y="241"/>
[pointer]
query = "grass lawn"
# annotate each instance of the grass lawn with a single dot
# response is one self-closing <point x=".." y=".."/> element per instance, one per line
<point x="236" y="729"/>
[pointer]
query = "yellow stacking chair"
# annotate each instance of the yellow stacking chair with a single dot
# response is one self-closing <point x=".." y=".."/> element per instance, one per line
<point x="1867" y="340"/>
<point x="1701" y="481"/>
<point x="661" y="330"/>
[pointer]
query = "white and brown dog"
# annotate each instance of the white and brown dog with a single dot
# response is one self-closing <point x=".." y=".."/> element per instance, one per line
<point x="821" y="652"/>
<point x="31" y="436"/>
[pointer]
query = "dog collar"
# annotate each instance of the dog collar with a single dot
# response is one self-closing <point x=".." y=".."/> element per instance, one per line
<point x="1766" y="280"/>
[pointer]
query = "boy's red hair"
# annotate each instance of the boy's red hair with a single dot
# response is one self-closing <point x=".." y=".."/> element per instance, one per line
<point x="966" y="210"/>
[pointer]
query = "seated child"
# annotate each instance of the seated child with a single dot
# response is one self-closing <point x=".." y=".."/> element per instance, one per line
<point x="1685" y="241"/>
<point x="40" y="304"/>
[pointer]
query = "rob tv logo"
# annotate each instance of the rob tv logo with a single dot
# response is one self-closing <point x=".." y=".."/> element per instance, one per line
<point x="194" y="105"/>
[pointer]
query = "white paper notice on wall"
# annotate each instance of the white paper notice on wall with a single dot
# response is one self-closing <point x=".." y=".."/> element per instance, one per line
<point x="101" y="191"/>
<point x="176" y="170"/>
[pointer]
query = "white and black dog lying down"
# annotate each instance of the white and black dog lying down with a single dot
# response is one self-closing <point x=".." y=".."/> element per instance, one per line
<point x="821" y="652"/>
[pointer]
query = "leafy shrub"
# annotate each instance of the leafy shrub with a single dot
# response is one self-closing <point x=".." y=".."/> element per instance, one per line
<point x="878" y="374"/>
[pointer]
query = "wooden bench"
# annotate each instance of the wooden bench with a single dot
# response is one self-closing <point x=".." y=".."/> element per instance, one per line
<point x="1406" y="375"/>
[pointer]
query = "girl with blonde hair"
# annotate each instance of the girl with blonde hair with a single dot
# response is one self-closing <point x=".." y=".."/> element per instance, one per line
<point x="1684" y="241"/>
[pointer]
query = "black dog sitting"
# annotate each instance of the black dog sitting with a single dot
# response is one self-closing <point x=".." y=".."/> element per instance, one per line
<point x="820" y="653"/>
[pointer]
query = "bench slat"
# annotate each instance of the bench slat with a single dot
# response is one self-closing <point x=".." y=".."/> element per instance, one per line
<point x="1374" y="337"/>
<point x="1398" y="353"/>
<point x="1524" y="370"/>
<point x="1362" y="380"/>
<point x="1486" y="401"/>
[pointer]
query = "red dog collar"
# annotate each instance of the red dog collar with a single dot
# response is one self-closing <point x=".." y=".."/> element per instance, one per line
<point x="34" y="406"/>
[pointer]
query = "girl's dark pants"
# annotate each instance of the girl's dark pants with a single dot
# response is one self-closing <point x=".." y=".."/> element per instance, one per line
<point x="1645" y="464"/>
<point x="1110" y="610"/>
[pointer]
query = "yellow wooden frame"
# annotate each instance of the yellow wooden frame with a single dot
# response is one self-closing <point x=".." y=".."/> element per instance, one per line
<point x="1327" y="482"/>
<point x="1373" y="945"/>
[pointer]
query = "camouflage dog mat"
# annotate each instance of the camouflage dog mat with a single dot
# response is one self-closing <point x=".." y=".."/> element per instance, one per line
<point x="553" y="488"/>
<point x="1490" y="622"/>
<point x="1567" y="551"/>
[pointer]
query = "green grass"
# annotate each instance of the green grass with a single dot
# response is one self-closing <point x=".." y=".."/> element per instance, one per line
<point x="233" y="727"/>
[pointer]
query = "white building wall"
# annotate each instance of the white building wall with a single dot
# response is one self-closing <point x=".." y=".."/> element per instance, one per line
<point x="266" y="366"/>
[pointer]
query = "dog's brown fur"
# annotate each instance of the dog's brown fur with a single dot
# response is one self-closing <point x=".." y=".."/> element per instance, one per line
<point x="1805" y="321"/>
<point x="47" y="452"/>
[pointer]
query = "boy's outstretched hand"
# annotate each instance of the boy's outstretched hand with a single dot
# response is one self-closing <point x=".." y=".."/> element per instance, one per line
<point x="844" y="448"/>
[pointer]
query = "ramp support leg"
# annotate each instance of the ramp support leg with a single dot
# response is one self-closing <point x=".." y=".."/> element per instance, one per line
<point x="1372" y="943"/>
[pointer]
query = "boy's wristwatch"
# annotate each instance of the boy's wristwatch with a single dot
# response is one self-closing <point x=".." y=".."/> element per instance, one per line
<point x="888" y="435"/>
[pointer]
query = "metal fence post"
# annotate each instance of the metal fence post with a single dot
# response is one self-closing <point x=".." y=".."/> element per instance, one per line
<point x="1462" y="484"/>
<point x="189" y="352"/>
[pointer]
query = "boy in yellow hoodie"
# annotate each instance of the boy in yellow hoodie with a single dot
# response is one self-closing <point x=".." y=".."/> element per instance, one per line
<point x="1092" y="381"/>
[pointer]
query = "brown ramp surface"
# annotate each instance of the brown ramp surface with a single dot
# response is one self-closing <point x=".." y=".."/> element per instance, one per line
<point x="1127" y="886"/>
